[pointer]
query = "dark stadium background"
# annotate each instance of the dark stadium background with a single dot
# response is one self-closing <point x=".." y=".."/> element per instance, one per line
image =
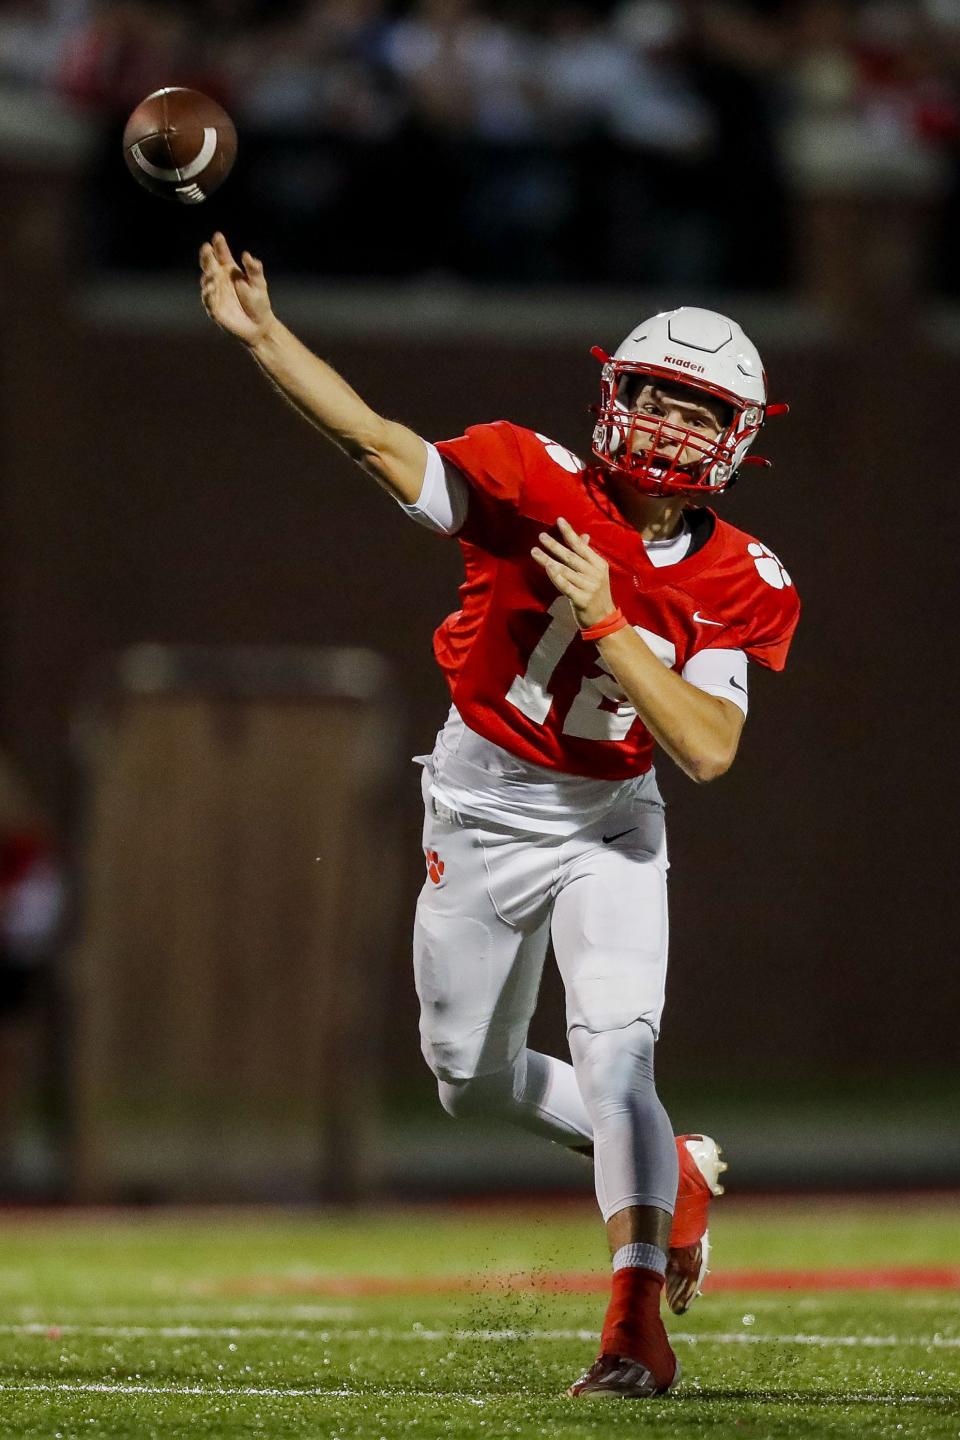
<point x="154" y="491"/>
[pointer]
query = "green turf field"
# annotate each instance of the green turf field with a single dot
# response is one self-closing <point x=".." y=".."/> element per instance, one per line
<point x="238" y="1325"/>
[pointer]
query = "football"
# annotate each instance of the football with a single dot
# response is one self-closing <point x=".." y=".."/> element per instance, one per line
<point x="180" y="144"/>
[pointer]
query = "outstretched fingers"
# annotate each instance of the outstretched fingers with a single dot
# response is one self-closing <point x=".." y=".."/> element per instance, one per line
<point x="568" y="581"/>
<point x="563" y="553"/>
<point x="253" y="268"/>
<point x="223" y="252"/>
<point x="208" y="279"/>
<point x="579" y="544"/>
<point x="576" y="570"/>
<point x="214" y="268"/>
<point x="250" y="279"/>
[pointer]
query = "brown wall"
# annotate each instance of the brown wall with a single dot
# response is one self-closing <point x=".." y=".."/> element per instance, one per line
<point x="153" y="488"/>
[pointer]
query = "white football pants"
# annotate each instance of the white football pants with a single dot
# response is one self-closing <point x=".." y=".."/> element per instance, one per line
<point x="492" y="898"/>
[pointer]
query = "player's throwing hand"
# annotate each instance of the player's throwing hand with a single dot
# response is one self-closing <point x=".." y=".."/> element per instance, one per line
<point x="578" y="572"/>
<point x="233" y="295"/>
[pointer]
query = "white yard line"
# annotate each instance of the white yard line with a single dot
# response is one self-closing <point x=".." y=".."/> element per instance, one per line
<point x="185" y="1311"/>
<point x="53" y="1331"/>
<point x="307" y="1392"/>
<point x="120" y="1387"/>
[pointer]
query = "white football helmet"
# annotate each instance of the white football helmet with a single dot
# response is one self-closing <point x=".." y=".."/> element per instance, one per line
<point x="710" y="356"/>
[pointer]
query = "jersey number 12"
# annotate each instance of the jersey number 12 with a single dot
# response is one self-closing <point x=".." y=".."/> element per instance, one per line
<point x="530" y="692"/>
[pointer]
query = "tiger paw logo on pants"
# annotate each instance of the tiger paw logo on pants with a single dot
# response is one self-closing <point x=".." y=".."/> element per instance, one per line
<point x="434" y="867"/>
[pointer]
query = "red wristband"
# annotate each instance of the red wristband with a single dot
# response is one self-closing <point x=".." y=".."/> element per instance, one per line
<point x="607" y="626"/>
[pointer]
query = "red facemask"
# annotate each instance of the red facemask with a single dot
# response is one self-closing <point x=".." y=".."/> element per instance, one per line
<point x="645" y="448"/>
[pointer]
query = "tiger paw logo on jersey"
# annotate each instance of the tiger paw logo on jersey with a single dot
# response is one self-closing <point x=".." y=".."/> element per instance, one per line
<point x="769" y="567"/>
<point x="435" y="867"/>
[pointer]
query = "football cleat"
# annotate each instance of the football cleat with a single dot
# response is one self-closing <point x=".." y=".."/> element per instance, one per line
<point x="687" y="1268"/>
<point x="618" y="1375"/>
<point x="689" y="1253"/>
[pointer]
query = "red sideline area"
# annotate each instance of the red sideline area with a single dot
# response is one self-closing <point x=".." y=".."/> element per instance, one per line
<point x="889" y="1277"/>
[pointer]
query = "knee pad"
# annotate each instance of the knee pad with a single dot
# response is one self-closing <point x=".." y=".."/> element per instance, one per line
<point x="612" y="1064"/>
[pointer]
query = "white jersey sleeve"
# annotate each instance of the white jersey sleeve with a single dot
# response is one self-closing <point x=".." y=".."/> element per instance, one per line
<point x="444" y="496"/>
<point x="720" y="672"/>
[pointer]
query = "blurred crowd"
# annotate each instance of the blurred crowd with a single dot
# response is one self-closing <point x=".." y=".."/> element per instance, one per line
<point x="648" y="141"/>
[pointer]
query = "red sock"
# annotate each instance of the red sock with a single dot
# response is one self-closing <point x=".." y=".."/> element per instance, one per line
<point x="633" y="1327"/>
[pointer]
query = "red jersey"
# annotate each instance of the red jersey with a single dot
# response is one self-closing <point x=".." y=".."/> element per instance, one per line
<point x="519" y="672"/>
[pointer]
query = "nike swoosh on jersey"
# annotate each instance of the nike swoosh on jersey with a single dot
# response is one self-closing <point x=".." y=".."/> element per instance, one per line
<point x="700" y="620"/>
<point x="609" y="839"/>
<point x="736" y="684"/>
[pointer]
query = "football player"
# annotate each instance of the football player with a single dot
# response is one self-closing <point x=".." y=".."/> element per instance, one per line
<point x="605" y="609"/>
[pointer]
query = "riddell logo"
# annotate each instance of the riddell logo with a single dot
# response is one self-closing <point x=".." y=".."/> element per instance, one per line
<point x="684" y="364"/>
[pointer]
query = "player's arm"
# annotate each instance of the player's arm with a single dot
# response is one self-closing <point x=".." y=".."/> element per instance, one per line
<point x="237" y="298"/>
<point x="701" y="732"/>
